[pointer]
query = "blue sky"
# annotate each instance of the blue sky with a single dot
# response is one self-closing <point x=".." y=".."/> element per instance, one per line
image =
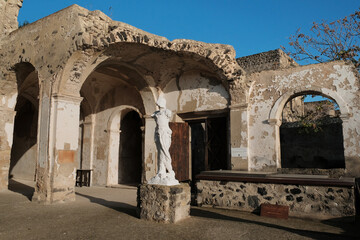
<point x="250" y="26"/>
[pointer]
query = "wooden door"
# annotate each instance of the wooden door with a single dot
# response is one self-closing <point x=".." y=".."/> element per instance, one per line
<point x="179" y="150"/>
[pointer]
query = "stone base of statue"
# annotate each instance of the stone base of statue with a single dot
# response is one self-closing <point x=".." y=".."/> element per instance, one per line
<point x="167" y="179"/>
<point x="160" y="203"/>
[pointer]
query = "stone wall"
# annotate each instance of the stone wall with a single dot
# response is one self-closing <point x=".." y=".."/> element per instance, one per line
<point x="9" y="10"/>
<point x="304" y="201"/>
<point x="271" y="90"/>
<point x="323" y="149"/>
<point x="271" y="60"/>
<point x="159" y="203"/>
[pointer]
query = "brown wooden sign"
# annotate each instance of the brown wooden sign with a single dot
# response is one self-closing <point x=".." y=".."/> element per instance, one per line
<point x="274" y="211"/>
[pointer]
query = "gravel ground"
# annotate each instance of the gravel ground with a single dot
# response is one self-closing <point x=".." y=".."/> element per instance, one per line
<point x="110" y="213"/>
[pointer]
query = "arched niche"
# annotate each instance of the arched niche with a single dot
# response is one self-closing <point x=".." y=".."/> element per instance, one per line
<point x="125" y="124"/>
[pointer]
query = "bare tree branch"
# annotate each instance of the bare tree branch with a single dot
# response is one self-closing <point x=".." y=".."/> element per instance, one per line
<point x="338" y="40"/>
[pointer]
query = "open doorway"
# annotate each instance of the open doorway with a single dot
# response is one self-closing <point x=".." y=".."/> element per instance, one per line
<point x="209" y="148"/>
<point x="130" y="149"/>
<point x="24" y="148"/>
<point x="311" y="135"/>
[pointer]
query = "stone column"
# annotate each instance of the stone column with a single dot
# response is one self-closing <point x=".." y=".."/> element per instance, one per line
<point x="150" y="153"/>
<point x="239" y="137"/>
<point x="276" y="123"/>
<point x="87" y="144"/>
<point x="351" y="128"/>
<point x="56" y="172"/>
<point x="6" y="140"/>
<point x="113" y="159"/>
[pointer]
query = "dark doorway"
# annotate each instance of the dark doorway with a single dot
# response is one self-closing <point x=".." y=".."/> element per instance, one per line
<point x="130" y="151"/>
<point x="209" y="145"/>
<point x="198" y="146"/>
<point x="24" y="149"/>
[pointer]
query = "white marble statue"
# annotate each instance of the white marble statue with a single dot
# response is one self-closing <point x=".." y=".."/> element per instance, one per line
<point x="165" y="174"/>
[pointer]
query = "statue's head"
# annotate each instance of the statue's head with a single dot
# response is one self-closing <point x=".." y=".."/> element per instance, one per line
<point x="161" y="102"/>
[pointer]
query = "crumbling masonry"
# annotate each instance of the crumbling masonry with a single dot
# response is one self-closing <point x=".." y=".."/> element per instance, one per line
<point x="75" y="83"/>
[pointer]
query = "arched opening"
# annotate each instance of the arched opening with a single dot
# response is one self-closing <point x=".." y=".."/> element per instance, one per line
<point x="130" y="149"/>
<point x="311" y="134"/>
<point x="24" y="148"/>
<point x="109" y="92"/>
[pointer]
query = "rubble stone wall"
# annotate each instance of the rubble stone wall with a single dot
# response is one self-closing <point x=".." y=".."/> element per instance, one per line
<point x="271" y="60"/>
<point x="159" y="203"/>
<point x="9" y="10"/>
<point x="320" y="202"/>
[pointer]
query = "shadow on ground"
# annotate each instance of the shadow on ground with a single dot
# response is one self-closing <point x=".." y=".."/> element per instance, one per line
<point x="21" y="188"/>
<point x="118" y="206"/>
<point x="349" y="228"/>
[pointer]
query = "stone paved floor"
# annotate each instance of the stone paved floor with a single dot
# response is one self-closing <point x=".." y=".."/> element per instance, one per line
<point x="110" y="213"/>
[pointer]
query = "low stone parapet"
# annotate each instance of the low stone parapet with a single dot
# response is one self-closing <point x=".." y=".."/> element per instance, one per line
<point x="314" y="201"/>
<point x="167" y="204"/>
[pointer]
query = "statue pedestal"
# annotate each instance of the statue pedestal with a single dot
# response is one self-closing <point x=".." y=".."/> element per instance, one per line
<point x="160" y="203"/>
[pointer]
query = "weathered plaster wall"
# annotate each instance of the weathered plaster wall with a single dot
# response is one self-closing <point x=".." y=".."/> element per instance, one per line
<point x="269" y="92"/>
<point x="64" y="145"/>
<point x="193" y="92"/>
<point x="6" y="137"/>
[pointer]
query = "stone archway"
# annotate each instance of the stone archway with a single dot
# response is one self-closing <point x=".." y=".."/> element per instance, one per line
<point x="304" y="145"/>
<point x="21" y="124"/>
<point x="311" y="134"/>
<point x="24" y="148"/>
<point x="130" y="69"/>
<point x="109" y="90"/>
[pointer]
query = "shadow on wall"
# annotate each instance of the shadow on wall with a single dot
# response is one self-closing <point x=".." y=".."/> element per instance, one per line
<point x="23" y="151"/>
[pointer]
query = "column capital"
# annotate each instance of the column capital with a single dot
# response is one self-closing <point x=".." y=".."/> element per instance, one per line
<point x="275" y="122"/>
<point x="345" y="117"/>
<point x="241" y="106"/>
<point x="67" y="98"/>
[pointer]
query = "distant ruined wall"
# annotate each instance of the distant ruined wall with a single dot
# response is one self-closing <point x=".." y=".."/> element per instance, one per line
<point x="271" y="60"/>
<point x="9" y="11"/>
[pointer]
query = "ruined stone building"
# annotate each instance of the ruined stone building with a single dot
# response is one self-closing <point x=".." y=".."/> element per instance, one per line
<point x="77" y="91"/>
